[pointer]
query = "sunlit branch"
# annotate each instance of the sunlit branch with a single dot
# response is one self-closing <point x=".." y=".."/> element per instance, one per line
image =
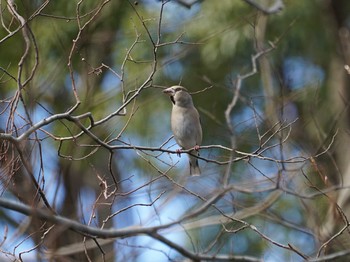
<point x="276" y="7"/>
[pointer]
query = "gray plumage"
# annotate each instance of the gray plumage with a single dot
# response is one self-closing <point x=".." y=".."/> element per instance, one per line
<point x="185" y="123"/>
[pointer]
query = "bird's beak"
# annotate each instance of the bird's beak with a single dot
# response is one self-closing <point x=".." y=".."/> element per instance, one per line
<point x="169" y="91"/>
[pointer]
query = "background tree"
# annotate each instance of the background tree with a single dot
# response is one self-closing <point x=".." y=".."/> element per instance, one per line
<point x="87" y="158"/>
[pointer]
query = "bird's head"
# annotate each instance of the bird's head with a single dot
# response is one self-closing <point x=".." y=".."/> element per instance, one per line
<point x="179" y="96"/>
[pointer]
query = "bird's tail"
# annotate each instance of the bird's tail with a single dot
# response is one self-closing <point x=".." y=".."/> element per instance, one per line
<point x="194" y="167"/>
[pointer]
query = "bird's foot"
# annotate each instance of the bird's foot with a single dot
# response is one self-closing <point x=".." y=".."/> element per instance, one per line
<point x="196" y="147"/>
<point x="178" y="152"/>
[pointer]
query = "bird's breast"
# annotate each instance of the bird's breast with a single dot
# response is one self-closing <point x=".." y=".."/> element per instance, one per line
<point x="183" y="128"/>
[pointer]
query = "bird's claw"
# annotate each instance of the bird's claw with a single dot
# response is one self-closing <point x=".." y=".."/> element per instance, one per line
<point x="196" y="147"/>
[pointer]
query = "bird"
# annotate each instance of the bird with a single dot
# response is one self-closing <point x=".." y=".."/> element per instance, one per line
<point x="185" y="124"/>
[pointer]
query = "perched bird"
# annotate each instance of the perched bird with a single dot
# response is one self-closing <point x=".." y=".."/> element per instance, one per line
<point x="185" y="124"/>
